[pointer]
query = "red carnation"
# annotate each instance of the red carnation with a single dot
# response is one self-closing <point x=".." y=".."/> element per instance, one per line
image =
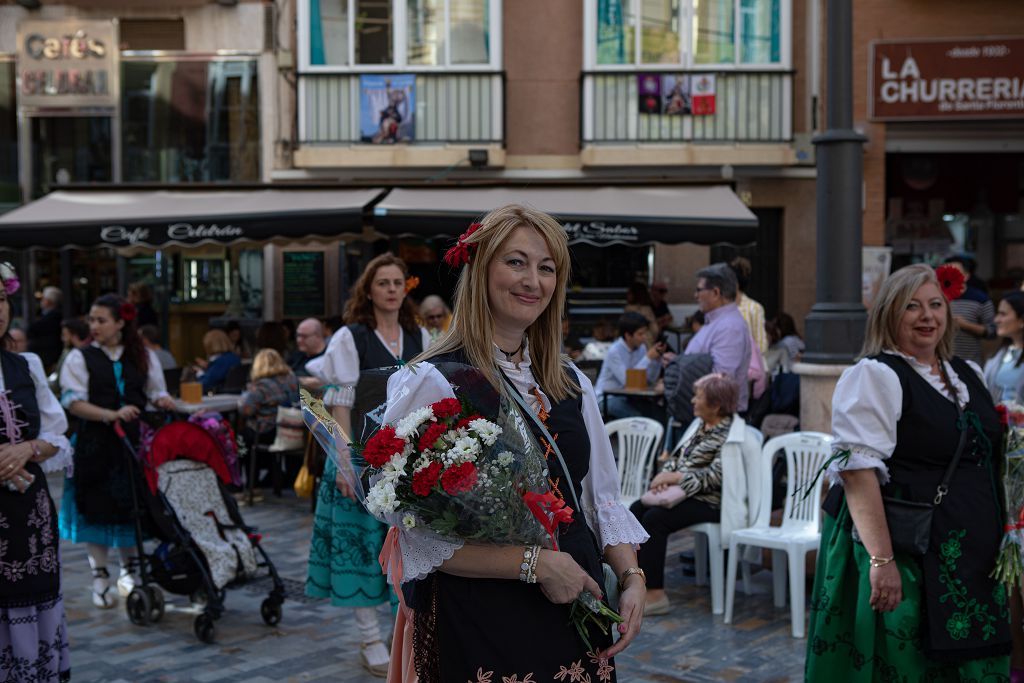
<point x="1004" y="414"/>
<point x="459" y="478"/>
<point x="464" y="422"/>
<point x="382" y="446"/>
<point x="127" y="311"/>
<point x="424" y="480"/>
<point x="951" y="280"/>
<point x="448" y="407"/>
<point x="434" y="432"/>
<point x="460" y="253"/>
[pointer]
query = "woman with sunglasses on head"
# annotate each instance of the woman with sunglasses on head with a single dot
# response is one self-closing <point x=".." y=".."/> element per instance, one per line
<point x="33" y="627"/>
<point x="111" y="380"/>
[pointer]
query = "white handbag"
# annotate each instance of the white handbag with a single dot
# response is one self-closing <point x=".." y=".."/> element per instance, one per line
<point x="291" y="430"/>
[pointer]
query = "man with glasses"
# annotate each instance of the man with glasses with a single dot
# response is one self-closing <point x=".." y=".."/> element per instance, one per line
<point x="309" y="338"/>
<point x="725" y="335"/>
<point x="436" y="316"/>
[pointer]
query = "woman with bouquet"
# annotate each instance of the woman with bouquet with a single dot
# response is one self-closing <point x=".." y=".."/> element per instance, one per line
<point x="380" y="331"/>
<point x="501" y="612"/>
<point x="885" y="607"/>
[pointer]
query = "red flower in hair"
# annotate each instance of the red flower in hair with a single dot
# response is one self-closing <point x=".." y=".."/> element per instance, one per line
<point x="951" y="280"/>
<point x="459" y="254"/>
<point x="127" y="311"/>
<point x="411" y="283"/>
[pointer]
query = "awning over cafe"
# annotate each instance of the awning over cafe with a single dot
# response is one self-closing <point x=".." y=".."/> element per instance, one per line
<point x="155" y="218"/>
<point x="592" y="215"/>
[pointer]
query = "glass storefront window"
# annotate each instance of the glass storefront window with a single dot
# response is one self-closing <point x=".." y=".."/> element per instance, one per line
<point x="714" y="31"/>
<point x="9" y="192"/>
<point x="250" y="281"/>
<point x="70" y="149"/>
<point x="659" y="33"/>
<point x="205" y="280"/>
<point x="436" y="32"/>
<point x="759" y="32"/>
<point x="190" y="121"/>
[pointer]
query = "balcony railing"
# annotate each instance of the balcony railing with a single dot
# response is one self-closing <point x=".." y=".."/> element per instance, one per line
<point x="451" y="107"/>
<point x="750" y="106"/>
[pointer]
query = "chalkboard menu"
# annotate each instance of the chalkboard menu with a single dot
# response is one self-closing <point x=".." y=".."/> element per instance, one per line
<point x="303" y="283"/>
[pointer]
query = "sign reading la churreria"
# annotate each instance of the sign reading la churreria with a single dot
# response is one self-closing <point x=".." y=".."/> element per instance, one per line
<point x="971" y="78"/>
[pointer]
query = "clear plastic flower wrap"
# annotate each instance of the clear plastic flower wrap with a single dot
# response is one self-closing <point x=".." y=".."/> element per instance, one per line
<point x="462" y="470"/>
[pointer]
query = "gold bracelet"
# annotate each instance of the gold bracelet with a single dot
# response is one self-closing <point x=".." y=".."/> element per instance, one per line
<point x="632" y="571"/>
<point x="877" y="562"/>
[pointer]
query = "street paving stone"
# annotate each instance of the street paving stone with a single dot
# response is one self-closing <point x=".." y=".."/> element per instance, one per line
<point x="317" y="642"/>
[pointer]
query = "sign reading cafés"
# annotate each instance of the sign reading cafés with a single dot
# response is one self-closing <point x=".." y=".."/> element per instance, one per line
<point x="67" y="64"/>
<point x="970" y="78"/>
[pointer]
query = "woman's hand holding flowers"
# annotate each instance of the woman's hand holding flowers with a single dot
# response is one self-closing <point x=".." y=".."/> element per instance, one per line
<point x="631" y="609"/>
<point x="562" y="579"/>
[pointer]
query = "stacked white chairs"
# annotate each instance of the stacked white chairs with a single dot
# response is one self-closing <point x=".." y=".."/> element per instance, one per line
<point x="639" y="440"/>
<point x="806" y="453"/>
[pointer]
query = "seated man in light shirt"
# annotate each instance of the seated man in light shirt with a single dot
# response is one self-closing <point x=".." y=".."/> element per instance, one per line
<point x="629" y="351"/>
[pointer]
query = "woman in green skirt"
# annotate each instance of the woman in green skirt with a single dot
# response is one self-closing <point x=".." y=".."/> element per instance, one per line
<point x="884" y="615"/>
<point x="380" y="331"/>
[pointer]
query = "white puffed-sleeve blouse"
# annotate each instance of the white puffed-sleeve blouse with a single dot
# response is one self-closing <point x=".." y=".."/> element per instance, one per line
<point x="416" y="386"/>
<point x="866" y="407"/>
<point x="53" y="423"/>
<point x="74" y="376"/>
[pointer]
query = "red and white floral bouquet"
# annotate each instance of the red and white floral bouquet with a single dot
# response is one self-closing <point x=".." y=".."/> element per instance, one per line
<point x="1010" y="562"/>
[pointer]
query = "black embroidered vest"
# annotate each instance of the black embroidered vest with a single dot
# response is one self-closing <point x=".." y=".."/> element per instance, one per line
<point x="103" y="390"/>
<point x="22" y="392"/>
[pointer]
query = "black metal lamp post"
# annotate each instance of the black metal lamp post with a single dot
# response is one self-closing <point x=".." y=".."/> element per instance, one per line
<point x="835" y="325"/>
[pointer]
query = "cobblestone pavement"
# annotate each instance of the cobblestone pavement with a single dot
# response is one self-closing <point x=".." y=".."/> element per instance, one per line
<point x="317" y="642"/>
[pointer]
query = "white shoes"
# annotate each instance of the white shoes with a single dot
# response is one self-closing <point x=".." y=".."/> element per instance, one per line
<point x="375" y="658"/>
<point x="125" y="584"/>
<point x="101" y="596"/>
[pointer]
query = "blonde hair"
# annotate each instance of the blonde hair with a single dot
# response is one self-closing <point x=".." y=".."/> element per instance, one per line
<point x="891" y="303"/>
<point x="217" y="341"/>
<point x="472" y="325"/>
<point x="268" y="363"/>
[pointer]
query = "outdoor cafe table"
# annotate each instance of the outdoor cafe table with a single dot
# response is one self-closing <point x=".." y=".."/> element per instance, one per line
<point x="220" y="403"/>
<point x="651" y="395"/>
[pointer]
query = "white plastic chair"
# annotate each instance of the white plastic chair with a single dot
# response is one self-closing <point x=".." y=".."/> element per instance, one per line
<point x="708" y="548"/>
<point x="639" y="439"/>
<point x="800" y="532"/>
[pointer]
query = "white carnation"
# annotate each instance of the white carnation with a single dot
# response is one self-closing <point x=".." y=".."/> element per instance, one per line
<point x="465" y="449"/>
<point x="505" y="458"/>
<point x="411" y="422"/>
<point x="486" y="430"/>
<point x="382" y="498"/>
<point x="409" y="520"/>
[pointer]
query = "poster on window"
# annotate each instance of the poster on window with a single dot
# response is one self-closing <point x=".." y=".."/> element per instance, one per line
<point x="387" y="106"/>
<point x="649" y="93"/>
<point x="703" y="94"/>
<point x="675" y="95"/>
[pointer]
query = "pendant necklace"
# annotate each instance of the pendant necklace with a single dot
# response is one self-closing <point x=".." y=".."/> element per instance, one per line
<point x="509" y="354"/>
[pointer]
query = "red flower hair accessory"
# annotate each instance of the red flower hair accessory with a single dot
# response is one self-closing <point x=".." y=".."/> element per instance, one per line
<point x="411" y="283"/>
<point x="459" y="254"/>
<point x="127" y="311"/>
<point x="951" y="280"/>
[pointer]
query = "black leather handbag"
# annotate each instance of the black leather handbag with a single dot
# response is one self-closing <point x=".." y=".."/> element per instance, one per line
<point x="909" y="522"/>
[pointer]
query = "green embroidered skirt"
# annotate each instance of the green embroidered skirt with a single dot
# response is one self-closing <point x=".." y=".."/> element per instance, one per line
<point x="848" y="641"/>
<point x="346" y="542"/>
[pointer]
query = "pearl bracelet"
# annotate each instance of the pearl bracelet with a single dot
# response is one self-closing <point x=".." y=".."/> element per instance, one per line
<point x="529" y="565"/>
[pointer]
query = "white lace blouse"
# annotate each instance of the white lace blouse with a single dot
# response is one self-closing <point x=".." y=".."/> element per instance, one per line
<point x="416" y="386"/>
<point x="74" y="376"/>
<point x="53" y="423"/>
<point x="866" y="407"/>
<point x="338" y="366"/>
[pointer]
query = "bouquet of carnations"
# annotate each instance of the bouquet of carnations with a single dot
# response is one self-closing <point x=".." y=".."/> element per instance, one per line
<point x="1010" y="562"/>
<point x="466" y="469"/>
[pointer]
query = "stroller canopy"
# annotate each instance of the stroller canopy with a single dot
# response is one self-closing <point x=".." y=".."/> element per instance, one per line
<point x="184" y="441"/>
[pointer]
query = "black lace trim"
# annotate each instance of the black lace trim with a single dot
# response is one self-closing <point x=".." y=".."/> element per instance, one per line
<point x="40" y="603"/>
<point x="425" y="648"/>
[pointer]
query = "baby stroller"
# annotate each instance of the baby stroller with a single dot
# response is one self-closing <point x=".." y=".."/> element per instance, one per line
<point x="205" y="545"/>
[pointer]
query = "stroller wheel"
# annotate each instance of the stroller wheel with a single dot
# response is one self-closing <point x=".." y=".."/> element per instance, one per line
<point x="270" y="610"/>
<point x="139" y="607"/>
<point x="204" y="628"/>
<point x="156" y="602"/>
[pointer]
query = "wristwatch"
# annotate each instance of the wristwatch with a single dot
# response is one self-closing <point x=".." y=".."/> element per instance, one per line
<point x="630" y="572"/>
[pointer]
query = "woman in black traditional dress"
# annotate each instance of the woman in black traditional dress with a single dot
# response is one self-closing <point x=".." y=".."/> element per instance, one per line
<point x="33" y="628"/>
<point x="112" y="379"/>
<point x="380" y="331"/>
<point x="898" y="416"/>
<point x="476" y="617"/>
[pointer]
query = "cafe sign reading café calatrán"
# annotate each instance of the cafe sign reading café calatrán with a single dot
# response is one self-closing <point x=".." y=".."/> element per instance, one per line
<point x="67" y="64"/>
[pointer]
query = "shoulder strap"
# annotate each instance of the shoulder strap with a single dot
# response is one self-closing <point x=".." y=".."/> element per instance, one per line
<point x="547" y="435"/>
<point x="942" y="489"/>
